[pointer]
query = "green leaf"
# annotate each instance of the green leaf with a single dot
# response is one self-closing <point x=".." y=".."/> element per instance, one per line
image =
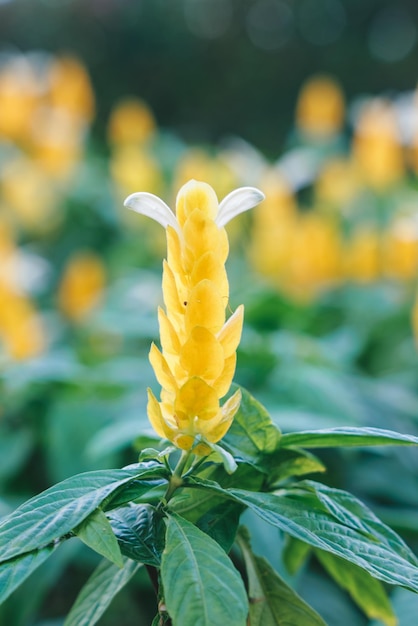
<point x="367" y="592"/>
<point x="350" y="511"/>
<point x="295" y="553"/>
<point x="221" y="523"/>
<point x="14" y="571"/>
<point x="96" y="595"/>
<point x="252" y="431"/>
<point x="345" y="437"/>
<point x="364" y="541"/>
<point x="272" y="601"/>
<point x="133" y="491"/>
<point x="303" y="518"/>
<point x="405" y="604"/>
<point x="286" y="463"/>
<point x="139" y="533"/>
<point x="201" y="585"/>
<point x="96" y="532"/>
<point x="224" y="457"/>
<point x="191" y="504"/>
<point x="58" y="510"/>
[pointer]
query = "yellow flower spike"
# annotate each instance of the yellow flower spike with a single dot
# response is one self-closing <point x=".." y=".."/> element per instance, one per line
<point x="196" y="364"/>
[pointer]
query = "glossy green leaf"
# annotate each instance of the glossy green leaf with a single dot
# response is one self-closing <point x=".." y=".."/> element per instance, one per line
<point x="193" y="504"/>
<point x="364" y="541"/>
<point x="14" y="571"/>
<point x="252" y="431"/>
<point x="287" y="462"/>
<point x="96" y="532"/>
<point x="133" y="491"/>
<point x="303" y="518"/>
<point x="96" y="595"/>
<point x="201" y="585"/>
<point x="350" y="511"/>
<point x="221" y="523"/>
<point x="140" y="533"/>
<point x="58" y="510"/>
<point x="345" y="437"/>
<point x="272" y="601"/>
<point x="367" y="592"/>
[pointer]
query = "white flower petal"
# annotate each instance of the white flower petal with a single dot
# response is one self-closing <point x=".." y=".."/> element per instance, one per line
<point x="237" y="202"/>
<point x="152" y="206"/>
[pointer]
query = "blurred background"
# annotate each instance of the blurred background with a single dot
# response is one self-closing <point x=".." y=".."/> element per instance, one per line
<point x="312" y="101"/>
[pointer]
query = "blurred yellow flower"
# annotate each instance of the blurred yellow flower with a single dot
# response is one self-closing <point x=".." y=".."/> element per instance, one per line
<point x="400" y="249"/>
<point x="320" y="108"/>
<point x="22" y="334"/>
<point x="197" y="164"/>
<point x="19" y="94"/>
<point x="197" y="362"/>
<point x="132" y="167"/>
<point x="131" y="122"/>
<point x="338" y="183"/>
<point x="315" y="257"/>
<point x="376" y="146"/>
<point x="70" y="88"/>
<point x="81" y="286"/>
<point x="29" y="194"/>
<point x="362" y="257"/>
<point x="273" y="227"/>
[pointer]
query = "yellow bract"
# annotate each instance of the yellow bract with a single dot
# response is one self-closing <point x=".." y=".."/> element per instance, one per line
<point x="193" y="357"/>
<point x="196" y="363"/>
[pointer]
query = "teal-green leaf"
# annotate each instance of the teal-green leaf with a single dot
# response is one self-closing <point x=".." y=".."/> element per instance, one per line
<point x="58" y="510"/>
<point x="252" y="431"/>
<point x="14" y="571"/>
<point x="98" y="592"/>
<point x="272" y="601"/>
<point x="288" y="462"/>
<point x="140" y="533"/>
<point x="367" y="592"/>
<point x="344" y="527"/>
<point x="96" y="532"/>
<point x="201" y="586"/>
<point x="221" y="523"/>
<point x="303" y="517"/>
<point x="295" y="553"/>
<point x="346" y="437"/>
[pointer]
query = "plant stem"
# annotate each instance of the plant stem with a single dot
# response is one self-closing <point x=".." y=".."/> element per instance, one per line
<point x="176" y="479"/>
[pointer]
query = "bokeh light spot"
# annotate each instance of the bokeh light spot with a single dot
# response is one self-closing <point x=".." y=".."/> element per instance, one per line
<point x="208" y="19"/>
<point x="321" y="22"/>
<point x="269" y="24"/>
<point x="392" y="34"/>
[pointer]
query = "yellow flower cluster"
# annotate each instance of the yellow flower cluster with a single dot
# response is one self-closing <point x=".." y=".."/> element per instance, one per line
<point x="360" y="224"/>
<point x="197" y="361"/>
<point x="307" y="252"/>
<point x="46" y="104"/>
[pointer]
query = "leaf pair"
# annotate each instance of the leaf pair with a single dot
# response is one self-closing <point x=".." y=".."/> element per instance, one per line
<point x="31" y="533"/>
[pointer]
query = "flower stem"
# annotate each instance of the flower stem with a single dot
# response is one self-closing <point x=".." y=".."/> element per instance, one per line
<point x="176" y="479"/>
